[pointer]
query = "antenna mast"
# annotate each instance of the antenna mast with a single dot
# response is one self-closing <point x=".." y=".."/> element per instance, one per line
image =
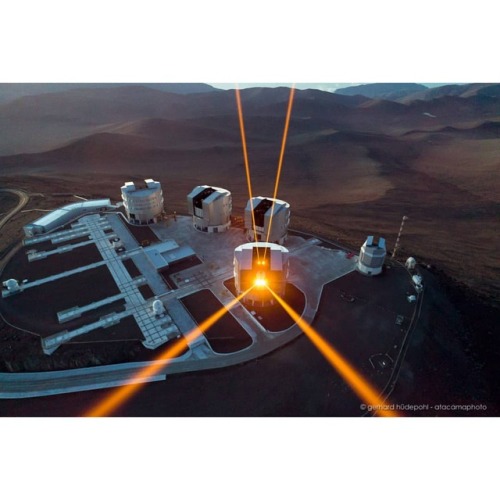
<point x="399" y="235"/>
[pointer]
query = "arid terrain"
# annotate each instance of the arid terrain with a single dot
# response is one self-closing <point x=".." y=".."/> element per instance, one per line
<point x="353" y="165"/>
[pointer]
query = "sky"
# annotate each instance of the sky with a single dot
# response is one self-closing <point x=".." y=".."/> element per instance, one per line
<point x="327" y="87"/>
<point x="140" y="44"/>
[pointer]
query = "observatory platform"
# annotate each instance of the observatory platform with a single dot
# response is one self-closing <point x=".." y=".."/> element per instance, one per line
<point x="87" y="287"/>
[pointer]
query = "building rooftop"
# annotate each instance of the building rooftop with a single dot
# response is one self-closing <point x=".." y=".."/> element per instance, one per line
<point x="58" y="213"/>
<point x="142" y="189"/>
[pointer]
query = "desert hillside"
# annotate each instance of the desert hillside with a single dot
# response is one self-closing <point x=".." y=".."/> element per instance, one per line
<point x="353" y="165"/>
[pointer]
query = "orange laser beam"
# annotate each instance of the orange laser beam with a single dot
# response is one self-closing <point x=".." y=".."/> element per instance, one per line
<point x="245" y="158"/>
<point x="111" y="403"/>
<point x="282" y="155"/>
<point x="358" y="384"/>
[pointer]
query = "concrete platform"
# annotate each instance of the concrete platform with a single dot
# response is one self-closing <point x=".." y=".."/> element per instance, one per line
<point x="312" y="267"/>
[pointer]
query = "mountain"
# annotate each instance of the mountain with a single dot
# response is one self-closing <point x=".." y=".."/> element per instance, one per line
<point x="11" y="91"/>
<point x="33" y="124"/>
<point x="38" y="123"/>
<point x="483" y="131"/>
<point x="389" y="91"/>
<point x="405" y="93"/>
<point x="465" y="90"/>
<point x="353" y="164"/>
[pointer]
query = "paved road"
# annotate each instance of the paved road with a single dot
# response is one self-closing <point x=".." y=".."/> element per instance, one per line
<point x="23" y="199"/>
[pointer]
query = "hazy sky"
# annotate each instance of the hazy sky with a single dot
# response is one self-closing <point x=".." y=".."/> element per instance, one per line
<point x="329" y="87"/>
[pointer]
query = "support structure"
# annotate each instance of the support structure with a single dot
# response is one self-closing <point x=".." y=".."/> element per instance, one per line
<point x="399" y="236"/>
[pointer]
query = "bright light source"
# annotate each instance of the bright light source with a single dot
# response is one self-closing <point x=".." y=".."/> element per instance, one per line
<point x="260" y="282"/>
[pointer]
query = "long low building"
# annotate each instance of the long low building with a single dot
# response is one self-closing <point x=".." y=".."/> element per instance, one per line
<point x="63" y="215"/>
<point x="163" y="254"/>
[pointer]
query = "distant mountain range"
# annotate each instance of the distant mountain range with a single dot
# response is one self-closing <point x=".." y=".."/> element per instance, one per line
<point x="399" y="92"/>
<point x="466" y="90"/>
<point x="37" y="123"/>
<point x="350" y="159"/>
<point x="408" y="92"/>
<point x="391" y="91"/>
<point x="11" y="91"/>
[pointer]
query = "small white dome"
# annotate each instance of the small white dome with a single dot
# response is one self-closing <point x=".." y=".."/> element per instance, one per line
<point x="12" y="285"/>
<point x="411" y="263"/>
<point x="158" y="307"/>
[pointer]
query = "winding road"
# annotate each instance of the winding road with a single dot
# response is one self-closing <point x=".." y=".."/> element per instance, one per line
<point x="23" y="200"/>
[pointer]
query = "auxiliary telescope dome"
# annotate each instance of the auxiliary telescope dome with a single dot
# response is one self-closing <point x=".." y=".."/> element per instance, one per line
<point x="372" y="256"/>
<point x="158" y="307"/>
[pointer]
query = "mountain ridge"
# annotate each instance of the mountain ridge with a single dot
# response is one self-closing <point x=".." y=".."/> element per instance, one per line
<point x="12" y="91"/>
<point x="389" y="91"/>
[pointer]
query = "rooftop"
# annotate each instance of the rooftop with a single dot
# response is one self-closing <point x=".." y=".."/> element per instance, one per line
<point x="59" y="212"/>
<point x="312" y="267"/>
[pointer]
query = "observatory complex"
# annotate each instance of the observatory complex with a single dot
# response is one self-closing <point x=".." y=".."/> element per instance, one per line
<point x="92" y="273"/>
<point x="143" y="203"/>
<point x="265" y="210"/>
<point x="372" y="256"/>
<point x="210" y="208"/>
<point x="119" y="294"/>
<point x="260" y="265"/>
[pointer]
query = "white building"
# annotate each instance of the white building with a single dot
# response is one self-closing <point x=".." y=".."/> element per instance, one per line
<point x="261" y="265"/>
<point x="211" y="208"/>
<point x="410" y="263"/>
<point x="64" y="215"/>
<point x="143" y="204"/>
<point x="372" y="256"/>
<point x="267" y="212"/>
